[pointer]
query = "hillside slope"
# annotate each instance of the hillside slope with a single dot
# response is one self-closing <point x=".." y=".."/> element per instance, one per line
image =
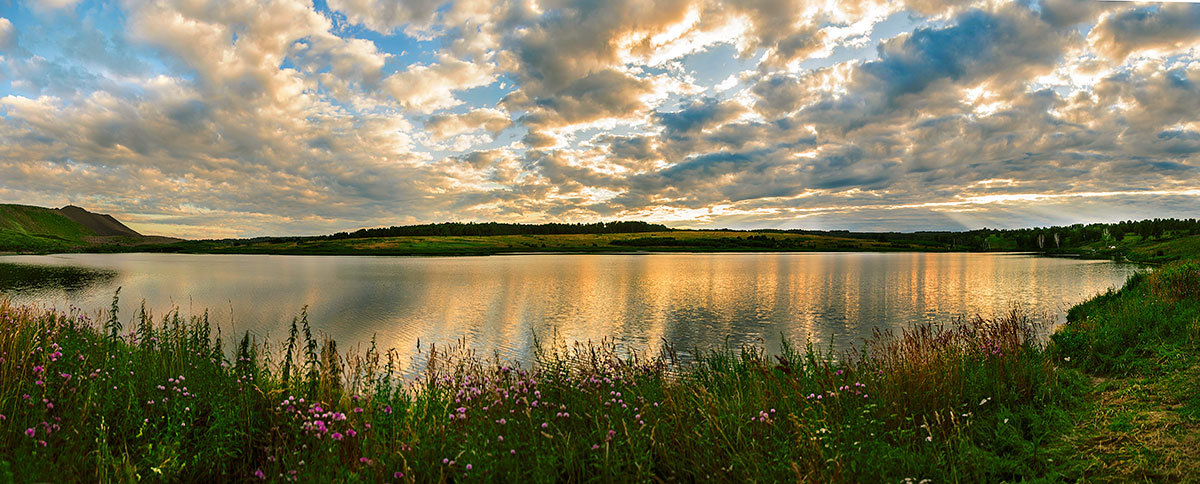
<point x="99" y="223"/>
<point x="50" y="222"/>
<point x="25" y="228"/>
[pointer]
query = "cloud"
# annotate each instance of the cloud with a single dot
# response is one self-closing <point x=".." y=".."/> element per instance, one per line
<point x="1169" y="27"/>
<point x="600" y="95"/>
<point x="699" y="115"/>
<point x="443" y="126"/>
<point x="1009" y="45"/>
<point x="8" y="35"/>
<point x="425" y="88"/>
<point x="388" y="16"/>
<point x="289" y="118"/>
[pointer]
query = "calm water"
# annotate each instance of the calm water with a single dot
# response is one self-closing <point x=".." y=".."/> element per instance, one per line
<point x="497" y="303"/>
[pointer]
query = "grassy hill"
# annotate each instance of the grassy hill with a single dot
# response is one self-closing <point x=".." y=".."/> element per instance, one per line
<point x="29" y="229"/>
<point x="25" y="228"/>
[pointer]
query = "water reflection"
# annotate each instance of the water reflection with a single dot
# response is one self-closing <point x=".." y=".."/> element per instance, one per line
<point x="50" y="281"/>
<point x="500" y="303"/>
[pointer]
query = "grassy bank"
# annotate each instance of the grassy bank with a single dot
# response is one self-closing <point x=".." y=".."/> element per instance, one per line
<point x="87" y="399"/>
<point x="1140" y="349"/>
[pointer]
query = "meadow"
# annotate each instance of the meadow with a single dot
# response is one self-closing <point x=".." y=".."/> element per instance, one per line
<point x="112" y="397"/>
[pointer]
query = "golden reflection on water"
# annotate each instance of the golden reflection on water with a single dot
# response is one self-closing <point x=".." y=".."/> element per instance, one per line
<point x="498" y="304"/>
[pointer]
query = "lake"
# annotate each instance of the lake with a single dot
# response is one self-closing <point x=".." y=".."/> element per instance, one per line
<point x="498" y="303"/>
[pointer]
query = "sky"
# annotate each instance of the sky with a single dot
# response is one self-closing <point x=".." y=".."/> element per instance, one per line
<point x="236" y="118"/>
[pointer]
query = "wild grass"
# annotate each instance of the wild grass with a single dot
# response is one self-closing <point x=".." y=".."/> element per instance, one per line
<point x="1141" y="347"/>
<point x="90" y="398"/>
<point x="1151" y="325"/>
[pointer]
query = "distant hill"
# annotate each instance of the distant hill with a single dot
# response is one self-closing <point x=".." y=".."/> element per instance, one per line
<point x="39" y="221"/>
<point x="25" y="228"/>
<point x="99" y="223"/>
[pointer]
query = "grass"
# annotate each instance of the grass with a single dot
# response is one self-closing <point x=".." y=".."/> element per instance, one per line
<point x="41" y="221"/>
<point x="1137" y="249"/>
<point x="1140" y="346"/>
<point x="1114" y="395"/>
<point x="87" y="398"/>
<point x="1149" y="326"/>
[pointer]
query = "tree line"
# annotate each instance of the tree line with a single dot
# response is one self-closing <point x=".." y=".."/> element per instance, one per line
<point x="1033" y="239"/>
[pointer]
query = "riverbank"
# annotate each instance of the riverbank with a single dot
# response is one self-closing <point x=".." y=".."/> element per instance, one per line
<point x="984" y="401"/>
<point x="1140" y="349"/>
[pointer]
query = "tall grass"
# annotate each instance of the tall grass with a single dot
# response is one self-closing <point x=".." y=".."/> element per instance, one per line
<point x="85" y="398"/>
<point x="1149" y="326"/>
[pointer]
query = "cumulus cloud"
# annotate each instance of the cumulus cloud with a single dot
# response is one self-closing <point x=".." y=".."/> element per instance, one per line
<point x="1010" y="45"/>
<point x="249" y="117"/>
<point x="386" y="16"/>
<point x="1166" y="27"/>
<point x="446" y="125"/>
<point x="426" y="88"/>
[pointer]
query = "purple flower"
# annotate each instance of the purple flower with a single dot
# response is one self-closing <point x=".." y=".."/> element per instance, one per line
<point x="30" y="431"/>
<point x="259" y="474"/>
<point x="336" y="436"/>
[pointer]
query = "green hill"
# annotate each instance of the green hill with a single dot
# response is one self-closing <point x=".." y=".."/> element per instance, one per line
<point x="25" y="228"/>
<point x="29" y="229"/>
